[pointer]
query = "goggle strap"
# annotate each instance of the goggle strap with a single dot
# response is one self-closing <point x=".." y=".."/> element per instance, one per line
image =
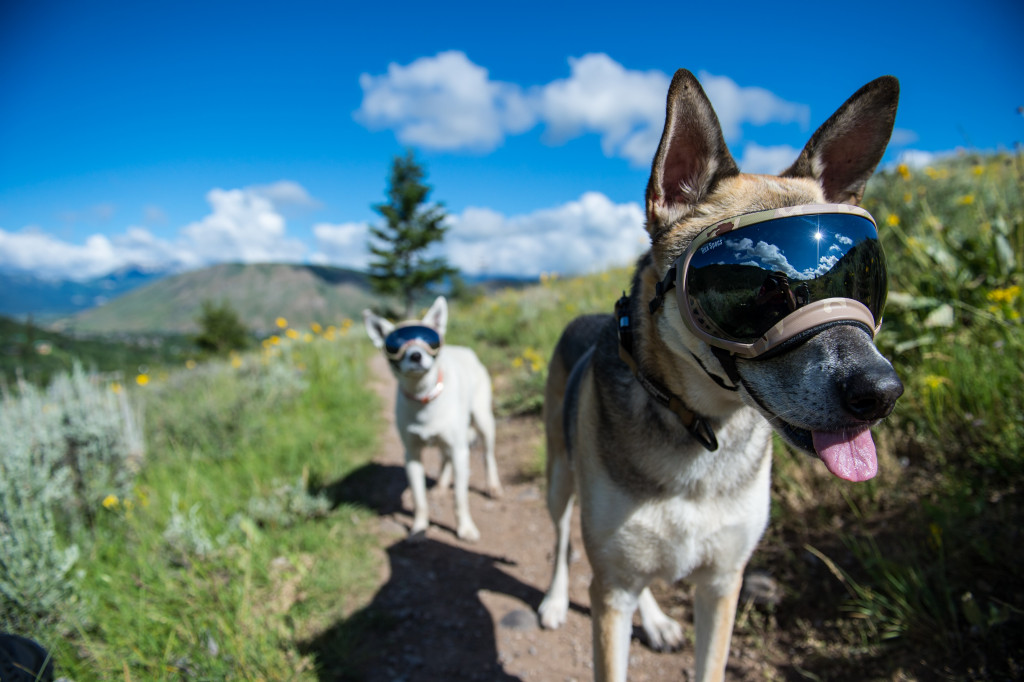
<point x="663" y="287"/>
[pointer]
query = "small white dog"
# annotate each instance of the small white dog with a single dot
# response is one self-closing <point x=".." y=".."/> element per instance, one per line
<point x="444" y="394"/>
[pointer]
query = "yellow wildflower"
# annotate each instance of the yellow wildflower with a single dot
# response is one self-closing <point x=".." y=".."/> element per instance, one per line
<point x="292" y="334"/>
<point x="236" y="361"/>
<point x="893" y="220"/>
<point x="933" y="381"/>
<point x="190" y="364"/>
<point x="316" y="327"/>
<point x="281" y="323"/>
<point x="110" y="502"/>
<point x="907" y="197"/>
<point x="979" y="170"/>
<point x="116" y="387"/>
<point x="966" y="200"/>
<point x="142" y="379"/>
<point x="274" y="340"/>
<point x="1006" y="295"/>
<point x="904" y="171"/>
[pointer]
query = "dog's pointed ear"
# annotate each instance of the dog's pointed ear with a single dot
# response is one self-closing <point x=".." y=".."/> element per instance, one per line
<point x="692" y="156"/>
<point x="844" y="151"/>
<point x="437" y="316"/>
<point x="377" y="328"/>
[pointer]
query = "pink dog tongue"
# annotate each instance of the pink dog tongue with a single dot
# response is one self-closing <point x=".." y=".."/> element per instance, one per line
<point x="850" y="456"/>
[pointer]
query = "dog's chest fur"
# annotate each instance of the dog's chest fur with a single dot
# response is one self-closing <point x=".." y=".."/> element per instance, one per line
<point x="445" y="419"/>
<point x="664" y="504"/>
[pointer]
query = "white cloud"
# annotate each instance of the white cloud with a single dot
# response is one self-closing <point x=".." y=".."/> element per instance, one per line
<point x="901" y="137"/>
<point x="286" y="193"/>
<point x="443" y="102"/>
<point x="48" y="257"/>
<point x="771" y="160"/>
<point x="448" y="102"/>
<point x="737" y="104"/>
<point x="342" y="245"/>
<point x="244" y="225"/>
<point x="586" y="235"/>
<point x="916" y="158"/>
<point x="626" y="108"/>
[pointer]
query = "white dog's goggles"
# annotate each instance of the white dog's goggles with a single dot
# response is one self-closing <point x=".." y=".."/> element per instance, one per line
<point x="750" y="283"/>
<point x="405" y="335"/>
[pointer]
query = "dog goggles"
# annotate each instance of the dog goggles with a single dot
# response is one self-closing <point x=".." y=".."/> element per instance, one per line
<point x="396" y="343"/>
<point x="752" y="282"/>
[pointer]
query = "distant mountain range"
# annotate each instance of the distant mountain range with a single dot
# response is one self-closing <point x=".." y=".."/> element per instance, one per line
<point x="259" y="293"/>
<point x="23" y="295"/>
<point x="137" y="303"/>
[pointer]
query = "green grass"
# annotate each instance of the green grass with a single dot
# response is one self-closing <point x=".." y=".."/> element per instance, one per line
<point x="37" y="354"/>
<point x="226" y="596"/>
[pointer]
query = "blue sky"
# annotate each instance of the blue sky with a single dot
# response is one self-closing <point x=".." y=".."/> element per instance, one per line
<point x="179" y="134"/>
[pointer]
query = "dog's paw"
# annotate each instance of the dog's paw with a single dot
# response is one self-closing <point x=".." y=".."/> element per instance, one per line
<point x="495" y="491"/>
<point x="664" y="634"/>
<point x="553" y="612"/>
<point x="419" y="527"/>
<point x="468" y="532"/>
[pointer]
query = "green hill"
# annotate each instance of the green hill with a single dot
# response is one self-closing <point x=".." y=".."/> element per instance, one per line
<point x="260" y="293"/>
<point x="36" y="354"/>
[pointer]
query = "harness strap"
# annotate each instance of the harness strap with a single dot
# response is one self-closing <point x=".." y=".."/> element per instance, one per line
<point x="697" y="425"/>
<point x="663" y="287"/>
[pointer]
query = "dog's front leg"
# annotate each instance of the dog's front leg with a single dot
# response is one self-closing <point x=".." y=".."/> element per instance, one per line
<point x="611" y="612"/>
<point x="418" y="485"/>
<point x="715" y="607"/>
<point x="459" y="457"/>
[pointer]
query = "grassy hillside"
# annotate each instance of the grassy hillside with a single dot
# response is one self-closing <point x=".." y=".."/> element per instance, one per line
<point x="37" y="354"/>
<point x="259" y="293"/>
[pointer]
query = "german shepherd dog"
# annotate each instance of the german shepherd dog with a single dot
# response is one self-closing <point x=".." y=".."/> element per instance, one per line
<point x="754" y="309"/>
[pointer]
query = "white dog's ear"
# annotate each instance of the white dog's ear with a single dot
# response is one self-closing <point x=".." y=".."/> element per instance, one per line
<point x="377" y="328"/>
<point x="844" y="151"/>
<point x="437" y="316"/>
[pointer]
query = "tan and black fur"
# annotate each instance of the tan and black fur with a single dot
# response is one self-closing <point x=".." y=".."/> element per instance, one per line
<point x="654" y="502"/>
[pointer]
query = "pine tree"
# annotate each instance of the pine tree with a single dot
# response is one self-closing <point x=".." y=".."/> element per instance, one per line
<point x="220" y="329"/>
<point x="401" y="266"/>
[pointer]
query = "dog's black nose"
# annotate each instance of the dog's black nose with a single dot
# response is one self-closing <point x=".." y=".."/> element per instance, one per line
<point x="871" y="394"/>
<point x="415" y="356"/>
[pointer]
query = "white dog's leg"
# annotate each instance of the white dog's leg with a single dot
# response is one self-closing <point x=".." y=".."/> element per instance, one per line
<point x="467" y="530"/>
<point x="555" y="607"/>
<point x="418" y="485"/>
<point x="715" y="612"/>
<point x="483" y="418"/>
<point x="663" y="633"/>
<point x="444" y="479"/>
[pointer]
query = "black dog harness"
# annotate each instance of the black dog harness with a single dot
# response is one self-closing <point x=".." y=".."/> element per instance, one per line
<point x="697" y="425"/>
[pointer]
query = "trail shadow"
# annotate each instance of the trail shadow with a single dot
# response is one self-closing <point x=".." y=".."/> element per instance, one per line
<point x="378" y="487"/>
<point x="426" y="623"/>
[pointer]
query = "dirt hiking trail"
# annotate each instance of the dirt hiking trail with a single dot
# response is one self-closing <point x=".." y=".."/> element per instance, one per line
<point x="452" y="610"/>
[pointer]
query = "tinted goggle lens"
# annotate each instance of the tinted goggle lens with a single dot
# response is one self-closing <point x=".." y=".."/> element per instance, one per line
<point x="396" y="342"/>
<point x="740" y="283"/>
